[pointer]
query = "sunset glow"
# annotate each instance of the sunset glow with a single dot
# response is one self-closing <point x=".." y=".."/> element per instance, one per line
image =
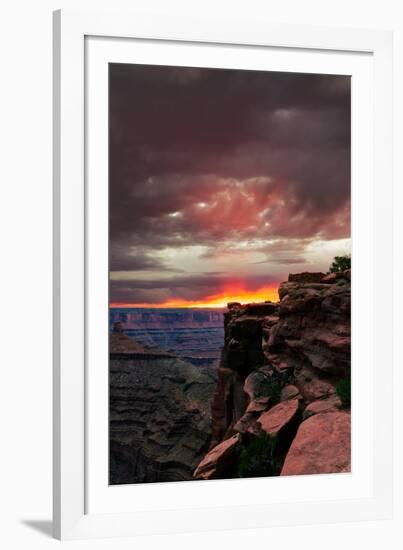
<point x="215" y="300"/>
<point x="223" y="182"/>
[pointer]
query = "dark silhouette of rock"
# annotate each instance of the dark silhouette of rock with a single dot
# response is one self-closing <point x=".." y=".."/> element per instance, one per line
<point x="305" y="277"/>
<point x="258" y="405"/>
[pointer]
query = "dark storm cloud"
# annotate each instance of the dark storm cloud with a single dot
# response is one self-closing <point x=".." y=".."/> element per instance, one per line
<point x="205" y="156"/>
<point x="131" y="258"/>
<point x="288" y="261"/>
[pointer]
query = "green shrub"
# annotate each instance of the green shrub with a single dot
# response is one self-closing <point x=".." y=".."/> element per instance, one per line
<point x="270" y="387"/>
<point x="257" y="458"/>
<point x="343" y="390"/>
<point x="340" y="263"/>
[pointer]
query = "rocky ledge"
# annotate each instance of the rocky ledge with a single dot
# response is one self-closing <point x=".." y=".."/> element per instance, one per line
<point x="281" y="405"/>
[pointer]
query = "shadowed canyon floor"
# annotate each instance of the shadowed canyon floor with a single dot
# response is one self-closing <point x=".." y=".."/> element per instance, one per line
<point x="160" y="413"/>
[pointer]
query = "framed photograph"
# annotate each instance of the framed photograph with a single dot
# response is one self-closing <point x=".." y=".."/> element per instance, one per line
<point x="222" y="223"/>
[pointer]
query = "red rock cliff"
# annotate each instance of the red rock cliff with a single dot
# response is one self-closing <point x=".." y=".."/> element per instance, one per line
<point x="282" y="364"/>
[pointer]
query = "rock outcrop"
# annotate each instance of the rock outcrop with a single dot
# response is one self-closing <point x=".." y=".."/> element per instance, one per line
<point x="220" y="461"/>
<point x="279" y="417"/>
<point x="321" y="446"/>
<point x="279" y="374"/>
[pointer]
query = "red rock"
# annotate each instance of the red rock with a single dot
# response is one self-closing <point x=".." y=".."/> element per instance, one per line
<point x="288" y="392"/>
<point x="331" y="404"/>
<point x="305" y="277"/>
<point x="322" y="446"/>
<point x="305" y="338"/>
<point x="275" y="419"/>
<point x="335" y="342"/>
<point x="258" y="405"/>
<point x="330" y="278"/>
<point x="312" y="386"/>
<point x="247" y="424"/>
<point x="218" y="460"/>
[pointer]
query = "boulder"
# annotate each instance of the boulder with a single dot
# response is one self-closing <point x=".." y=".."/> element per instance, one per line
<point x="285" y="288"/>
<point x="219" y="460"/>
<point x="312" y="385"/>
<point x="277" y="418"/>
<point x="330" y="278"/>
<point x="321" y="446"/>
<point x="257" y="383"/>
<point x="331" y="404"/>
<point x="258" y="405"/>
<point x="305" y="277"/>
<point x="247" y="424"/>
<point x="289" y="392"/>
<point x="304" y="302"/>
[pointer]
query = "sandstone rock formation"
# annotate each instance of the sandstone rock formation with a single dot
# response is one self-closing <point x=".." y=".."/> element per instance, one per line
<point x="280" y="368"/>
<point x="321" y="446"/>
<point x="331" y="404"/>
<point x="278" y="417"/>
<point x="220" y="460"/>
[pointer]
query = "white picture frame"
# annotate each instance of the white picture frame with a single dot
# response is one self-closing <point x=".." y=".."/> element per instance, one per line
<point x="75" y="250"/>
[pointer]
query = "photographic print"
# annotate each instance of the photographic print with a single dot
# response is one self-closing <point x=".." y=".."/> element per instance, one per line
<point x="229" y="273"/>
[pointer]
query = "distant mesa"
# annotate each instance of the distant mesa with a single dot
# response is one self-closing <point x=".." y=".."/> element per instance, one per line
<point x="196" y="336"/>
<point x="121" y="344"/>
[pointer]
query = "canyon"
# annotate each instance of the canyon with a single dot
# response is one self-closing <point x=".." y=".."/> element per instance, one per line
<point x="194" y="335"/>
<point x="159" y="413"/>
<point x="261" y="389"/>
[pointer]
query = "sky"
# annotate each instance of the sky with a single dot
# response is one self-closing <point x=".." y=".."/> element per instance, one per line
<point x="222" y="182"/>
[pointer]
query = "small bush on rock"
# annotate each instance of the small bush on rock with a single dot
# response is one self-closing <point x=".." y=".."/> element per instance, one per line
<point x="340" y="263"/>
<point x="258" y="459"/>
<point x="270" y="387"/>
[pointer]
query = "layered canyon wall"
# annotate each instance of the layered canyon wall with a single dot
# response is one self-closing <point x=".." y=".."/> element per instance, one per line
<point x="159" y="413"/>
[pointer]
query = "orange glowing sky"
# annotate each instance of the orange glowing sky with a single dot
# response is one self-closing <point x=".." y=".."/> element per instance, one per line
<point x="219" y="300"/>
